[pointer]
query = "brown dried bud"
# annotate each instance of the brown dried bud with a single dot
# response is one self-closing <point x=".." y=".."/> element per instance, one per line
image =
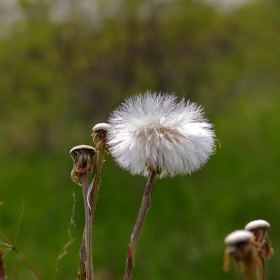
<point x="243" y="252"/>
<point x="100" y="131"/>
<point x="82" y="160"/>
<point x="261" y="239"/>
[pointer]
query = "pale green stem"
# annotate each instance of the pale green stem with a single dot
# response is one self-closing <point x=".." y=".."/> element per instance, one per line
<point x="145" y="205"/>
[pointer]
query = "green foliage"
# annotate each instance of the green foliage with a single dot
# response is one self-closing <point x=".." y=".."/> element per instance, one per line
<point x="58" y="79"/>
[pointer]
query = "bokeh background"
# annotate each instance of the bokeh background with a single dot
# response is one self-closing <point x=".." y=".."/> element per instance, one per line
<point x="65" y="65"/>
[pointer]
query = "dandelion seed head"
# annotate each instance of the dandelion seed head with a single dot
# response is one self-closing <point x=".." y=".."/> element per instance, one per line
<point x="156" y="131"/>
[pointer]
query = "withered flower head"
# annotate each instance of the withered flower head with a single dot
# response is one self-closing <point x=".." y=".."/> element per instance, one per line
<point x="259" y="229"/>
<point x="82" y="160"/>
<point x="100" y="132"/>
<point x="242" y="251"/>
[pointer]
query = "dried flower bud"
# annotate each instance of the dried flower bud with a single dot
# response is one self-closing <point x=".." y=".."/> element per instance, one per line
<point x="261" y="239"/>
<point x="243" y="252"/>
<point x="82" y="160"/>
<point x="100" y="131"/>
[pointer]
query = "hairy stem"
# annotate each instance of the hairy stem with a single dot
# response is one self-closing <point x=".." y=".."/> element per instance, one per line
<point x="86" y="262"/>
<point x="145" y="205"/>
<point x="90" y="194"/>
<point x="97" y="169"/>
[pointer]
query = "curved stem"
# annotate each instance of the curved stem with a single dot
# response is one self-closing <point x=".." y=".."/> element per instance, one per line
<point x="145" y="205"/>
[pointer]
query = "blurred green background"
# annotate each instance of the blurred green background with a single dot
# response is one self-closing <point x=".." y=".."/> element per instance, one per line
<point x="65" y="65"/>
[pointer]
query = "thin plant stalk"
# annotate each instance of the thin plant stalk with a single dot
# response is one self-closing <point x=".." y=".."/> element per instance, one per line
<point x="263" y="269"/>
<point x="145" y="205"/>
<point x="97" y="169"/>
<point x="253" y="275"/>
<point x="86" y="262"/>
<point x="82" y="266"/>
<point x="256" y="272"/>
<point x="90" y="194"/>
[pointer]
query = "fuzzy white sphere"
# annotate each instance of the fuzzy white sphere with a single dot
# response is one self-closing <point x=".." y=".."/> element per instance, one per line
<point x="156" y="131"/>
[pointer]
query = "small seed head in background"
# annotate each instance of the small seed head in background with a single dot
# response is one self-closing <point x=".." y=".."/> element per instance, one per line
<point x="261" y="240"/>
<point x="82" y="160"/>
<point x="238" y="236"/>
<point x="242" y="251"/>
<point x="100" y="132"/>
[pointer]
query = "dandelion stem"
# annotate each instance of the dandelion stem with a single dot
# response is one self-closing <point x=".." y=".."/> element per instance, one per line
<point x="90" y="198"/>
<point x="254" y="273"/>
<point x="263" y="269"/>
<point x="145" y="205"/>
<point x="82" y="267"/>
<point x="97" y="168"/>
<point x="86" y="262"/>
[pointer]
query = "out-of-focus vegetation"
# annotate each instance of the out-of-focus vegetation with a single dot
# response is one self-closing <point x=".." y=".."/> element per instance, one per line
<point x="62" y="71"/>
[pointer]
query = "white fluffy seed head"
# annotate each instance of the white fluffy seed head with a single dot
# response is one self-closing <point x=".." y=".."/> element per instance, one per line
<point x="156" y="131"/>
